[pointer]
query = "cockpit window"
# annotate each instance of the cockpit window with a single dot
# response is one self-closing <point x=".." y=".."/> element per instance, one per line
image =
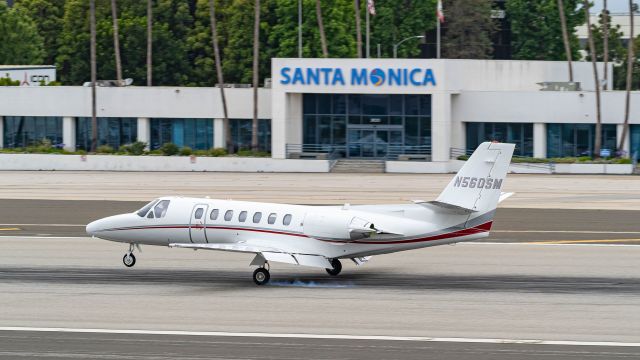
<point x="142" y="212"/>
<point x="160" y="209"/>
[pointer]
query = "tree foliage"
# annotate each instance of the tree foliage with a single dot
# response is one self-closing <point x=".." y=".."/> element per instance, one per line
<point x="47" y="16"/>
<point x="20" y="42"/>
<point x="469" y="27"/>
<point x="536" y="30"/>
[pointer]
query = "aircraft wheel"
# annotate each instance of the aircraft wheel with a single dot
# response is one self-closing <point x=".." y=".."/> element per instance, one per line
<point x="129" y="260"/>
<point x="261" y="276"/>
<point x="337" y="267"/>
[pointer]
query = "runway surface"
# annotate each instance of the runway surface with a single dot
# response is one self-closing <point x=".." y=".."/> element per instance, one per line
<point x="585" y="289"/>
<point x="67" y="218"/>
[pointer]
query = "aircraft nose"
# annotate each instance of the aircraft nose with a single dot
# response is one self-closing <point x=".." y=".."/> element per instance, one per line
<point x="94" y="227"/>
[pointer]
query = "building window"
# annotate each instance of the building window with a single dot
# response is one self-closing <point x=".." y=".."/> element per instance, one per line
<point x="194" y="133"/>
<point x="241" y="134"/>
<point x="520" y="134"/>
<point x="114" y="132"/>
<point x="634" y="131"/>
<point x="366" y="123"/>
<point x="23" y="131"/>
<point x="569" y="140"/>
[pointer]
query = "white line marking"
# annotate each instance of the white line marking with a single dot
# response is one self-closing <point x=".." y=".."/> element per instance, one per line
<point x="539" y="244"/>
<point x="565" y="232"/>
<point x="65" y="225"/>
<point x="325" y="336"/>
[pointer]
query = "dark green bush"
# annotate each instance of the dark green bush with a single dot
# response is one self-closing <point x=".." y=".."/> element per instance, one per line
<point x="104" y="149"/>
<point x="136" y="148"/>
<point x="186" y="151"/>
<point x="169" y="149"/>
<point x="217" y="152"/>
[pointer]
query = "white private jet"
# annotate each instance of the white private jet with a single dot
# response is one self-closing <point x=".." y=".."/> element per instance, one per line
<point x="319" y="236"/>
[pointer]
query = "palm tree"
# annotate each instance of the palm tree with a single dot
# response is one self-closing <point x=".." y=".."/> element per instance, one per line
<point x="630" y="60"/>
<point x="149" y="42"/>
<point x="323" y="38"/>
<point x="565" y="38"/>
<point x="356" y="4"/>
<point x="605" y="41"/>
<point x="256" y="55"/>
<point x="116" y="41"/>
<point x="216" y="55"/>
<point x="596" y="80"/>
<point x="92" y="29"/>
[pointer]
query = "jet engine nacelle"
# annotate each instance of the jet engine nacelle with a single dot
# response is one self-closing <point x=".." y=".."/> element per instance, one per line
<point x="338" y="225"/>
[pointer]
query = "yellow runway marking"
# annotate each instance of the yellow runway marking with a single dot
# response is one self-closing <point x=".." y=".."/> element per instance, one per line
<point x="9" y="229"/>
<point x="583" y="241"/>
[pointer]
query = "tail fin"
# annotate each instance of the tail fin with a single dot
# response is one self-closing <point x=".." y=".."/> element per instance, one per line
<point x="476" y="187"/>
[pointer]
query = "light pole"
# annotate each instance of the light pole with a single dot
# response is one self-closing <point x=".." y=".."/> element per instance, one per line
<point x="395" y="46"/>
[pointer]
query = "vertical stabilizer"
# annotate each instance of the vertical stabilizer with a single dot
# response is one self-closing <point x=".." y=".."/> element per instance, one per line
<point x="477" y="186"/>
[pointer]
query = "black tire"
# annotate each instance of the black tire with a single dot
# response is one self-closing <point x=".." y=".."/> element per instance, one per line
<point x="261" y="276"/>
<point x="129" y="260"/>
<point x="337" y="267"/>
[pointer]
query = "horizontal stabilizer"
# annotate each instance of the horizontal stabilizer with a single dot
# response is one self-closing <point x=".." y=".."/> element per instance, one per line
<point x="504" y="196"/>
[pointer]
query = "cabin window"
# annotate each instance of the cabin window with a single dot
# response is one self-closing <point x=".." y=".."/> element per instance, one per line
<point x="214" y="214"/>
<point x="272" y="218"/>
<point x="150" y="216"/>
<point x="198" y="214"/>
<point x="256" y="217"/>
<point x="160" y="209"/>
<point x="228" y="215"/>
<point x="243" y="216"/>
<point x="143" y="212"/>
<point x="286" y="220"/>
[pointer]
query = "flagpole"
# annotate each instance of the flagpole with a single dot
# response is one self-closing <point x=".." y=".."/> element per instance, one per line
<point x="368" y="50"/>
<point x="437" y="38"/>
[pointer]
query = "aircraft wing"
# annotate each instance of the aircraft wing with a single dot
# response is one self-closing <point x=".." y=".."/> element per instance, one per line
<point x="263" y="253"/>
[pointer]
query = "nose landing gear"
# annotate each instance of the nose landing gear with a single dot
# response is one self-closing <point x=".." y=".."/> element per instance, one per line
<point x="129" y="259"/>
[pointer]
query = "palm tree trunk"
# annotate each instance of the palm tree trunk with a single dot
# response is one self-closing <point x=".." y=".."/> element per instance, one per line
<point x="605" y="42"/>
<point x="323" y="38"/>
<point x="116" y="41"/>
<point x="356" y="4"/>
<point x="149" y="43"/>
<point x="630" y="61"/>
<point x="256" y="55"/>
<point x="596" y="80"/>
<point x="94" y="120"/>
<point x="565" y="38"/>
<point x="216" y="55"/>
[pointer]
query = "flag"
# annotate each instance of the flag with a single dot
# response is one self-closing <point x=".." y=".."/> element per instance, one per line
<point x="371" y="7"/>
<point x="439" y="12"/>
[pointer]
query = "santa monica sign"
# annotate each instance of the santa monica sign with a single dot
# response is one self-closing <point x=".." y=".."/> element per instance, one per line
<point x="335" y="76"/>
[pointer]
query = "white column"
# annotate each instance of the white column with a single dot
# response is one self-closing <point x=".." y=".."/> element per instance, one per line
<point x="286" y="122"/>
<point x="219" y="140"/>
<point x="540" y="140"/>
<point x="626" y="146"/>
<point x="441" y="126"/>
<point x="69" y="133"/>
<point x="1" y="132"/>
<point x="458" y="130"/>
<point x="144" y="131"/>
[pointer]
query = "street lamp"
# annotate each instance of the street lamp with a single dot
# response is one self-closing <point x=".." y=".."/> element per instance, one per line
<point x="395" y="46"/>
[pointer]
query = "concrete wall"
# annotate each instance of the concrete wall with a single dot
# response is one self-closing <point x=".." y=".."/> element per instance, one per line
<point x="156" y="163"/>
<point x="132" y="101"/>
<point x="543" y="107"/>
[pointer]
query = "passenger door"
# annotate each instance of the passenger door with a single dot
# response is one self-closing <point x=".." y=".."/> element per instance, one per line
<point x="198" y="224"/>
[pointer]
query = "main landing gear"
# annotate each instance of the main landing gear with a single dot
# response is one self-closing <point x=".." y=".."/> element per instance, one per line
<point x="261" y="275"/>
<point x="129" y="259"/>
<point x="336" y="267"/>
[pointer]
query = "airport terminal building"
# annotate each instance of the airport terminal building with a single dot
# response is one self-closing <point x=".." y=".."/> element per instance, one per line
<point x="407" y="109"/>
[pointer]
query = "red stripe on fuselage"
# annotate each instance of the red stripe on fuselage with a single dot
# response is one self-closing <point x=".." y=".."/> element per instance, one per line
<point x="464" y="232"/>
